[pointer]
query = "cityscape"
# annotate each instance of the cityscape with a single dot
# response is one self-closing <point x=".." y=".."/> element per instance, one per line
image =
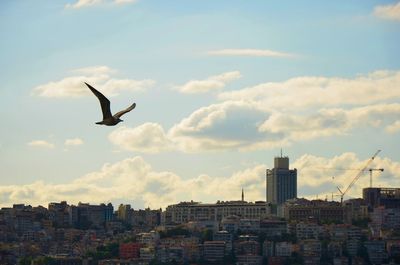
<point x="199" y="132"/>
<point x="283" y="229"/>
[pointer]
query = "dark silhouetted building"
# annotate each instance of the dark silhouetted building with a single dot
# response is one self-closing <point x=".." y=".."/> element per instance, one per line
<point x="281" y="181"/>
<point x="387" y="197"/>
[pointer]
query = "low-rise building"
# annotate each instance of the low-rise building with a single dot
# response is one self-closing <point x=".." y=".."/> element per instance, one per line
<point x="148" y="239"/>
<point x="147" y="254"/>
<point x="129" y="250"/>
<point x="355" y="209"/>
<point x="170" y="254"/>
<point x="283" y="249"/>
<point x="226" y="237"/>
<point x="308" y="230"/>
<point x="214" y="250"/>
<point x="311" y="248"/>
<point x="230" y="223"/>
<point x="268" y="248"/>
<point x="376" y="251"/>
<point x="249" y="260"/>
<point x="383" y="218"/>
<point x="273" y="227"/>
<point x="59" y="214"/>
<point x="250" y="247"/>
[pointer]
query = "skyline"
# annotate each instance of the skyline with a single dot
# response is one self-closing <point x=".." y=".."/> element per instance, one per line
<point x="220" y="89"/>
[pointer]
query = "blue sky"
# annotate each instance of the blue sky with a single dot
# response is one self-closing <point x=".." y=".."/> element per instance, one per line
<point x="220" y="87"/>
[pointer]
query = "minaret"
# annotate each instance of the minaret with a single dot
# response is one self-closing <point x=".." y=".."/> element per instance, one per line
<point x="242" y="195"/>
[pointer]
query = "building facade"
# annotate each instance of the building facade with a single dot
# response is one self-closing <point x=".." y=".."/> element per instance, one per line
<point x="317" y="210"/>
<point x="194" y="211"/>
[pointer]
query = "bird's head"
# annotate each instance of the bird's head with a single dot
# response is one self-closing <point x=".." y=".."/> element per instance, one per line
<point x="119" y="120"/>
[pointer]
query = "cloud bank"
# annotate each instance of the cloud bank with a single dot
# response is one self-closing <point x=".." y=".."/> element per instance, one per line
<point x="310" y="91"/>
<point x="276" y="114"/>
<point x="134" y="181"/>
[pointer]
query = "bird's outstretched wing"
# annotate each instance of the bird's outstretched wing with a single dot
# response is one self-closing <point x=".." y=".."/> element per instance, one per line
<point x="104" y="102"/>
<point x="122" y="112"/>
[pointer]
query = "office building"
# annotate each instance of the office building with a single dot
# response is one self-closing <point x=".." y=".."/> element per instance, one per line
<point x="281" y="181"/>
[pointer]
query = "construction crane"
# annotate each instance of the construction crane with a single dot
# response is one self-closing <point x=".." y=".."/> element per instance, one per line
<point x="342" y="193"/>
<point x="370" y="174"/>
<point x="366" y="169"/>
<point x="334" y="195"/>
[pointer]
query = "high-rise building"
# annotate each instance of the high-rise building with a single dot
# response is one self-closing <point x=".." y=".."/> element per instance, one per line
<point x="281" y="181"/>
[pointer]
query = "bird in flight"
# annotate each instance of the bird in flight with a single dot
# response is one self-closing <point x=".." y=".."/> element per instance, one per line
<point x="108" y="118"/>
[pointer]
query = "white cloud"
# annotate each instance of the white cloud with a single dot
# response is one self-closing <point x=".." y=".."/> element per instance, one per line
<point x="247" y="126"/>
<point x="73" y="142"/>
<point x="147" y="138"/>
<point x="393" y="128"/>
<point x="87" y="3"/>
<point x="211" y="83"/>
<point x="133" y="180"/>
<point x="327" y="122"/>
<point x="98" y="76"/>
<point x="309" y="91"/>
<point x="388" y="11"/>
<point x="229" y="125"/>
<point x="249" y="52"/>
<point x="41" y="144"/>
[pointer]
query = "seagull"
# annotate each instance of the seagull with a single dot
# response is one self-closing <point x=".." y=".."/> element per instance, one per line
<point x="108" y="118"/>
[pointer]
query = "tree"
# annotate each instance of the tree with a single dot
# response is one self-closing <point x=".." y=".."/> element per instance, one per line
<point x="363" y="253"/>
<point x="44" y="261"/>
<point x="230" y="258"/>
<point x="362" y="223"/>
<point x="108" y="251"/>
<point x="177" y="231"/>
<point x="295" y="259"/>
<point x="25" y="261"/>
<point x="207" y="235"/>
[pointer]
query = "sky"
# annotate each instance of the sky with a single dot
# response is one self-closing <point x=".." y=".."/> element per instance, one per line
<point x="221" y="88"/>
